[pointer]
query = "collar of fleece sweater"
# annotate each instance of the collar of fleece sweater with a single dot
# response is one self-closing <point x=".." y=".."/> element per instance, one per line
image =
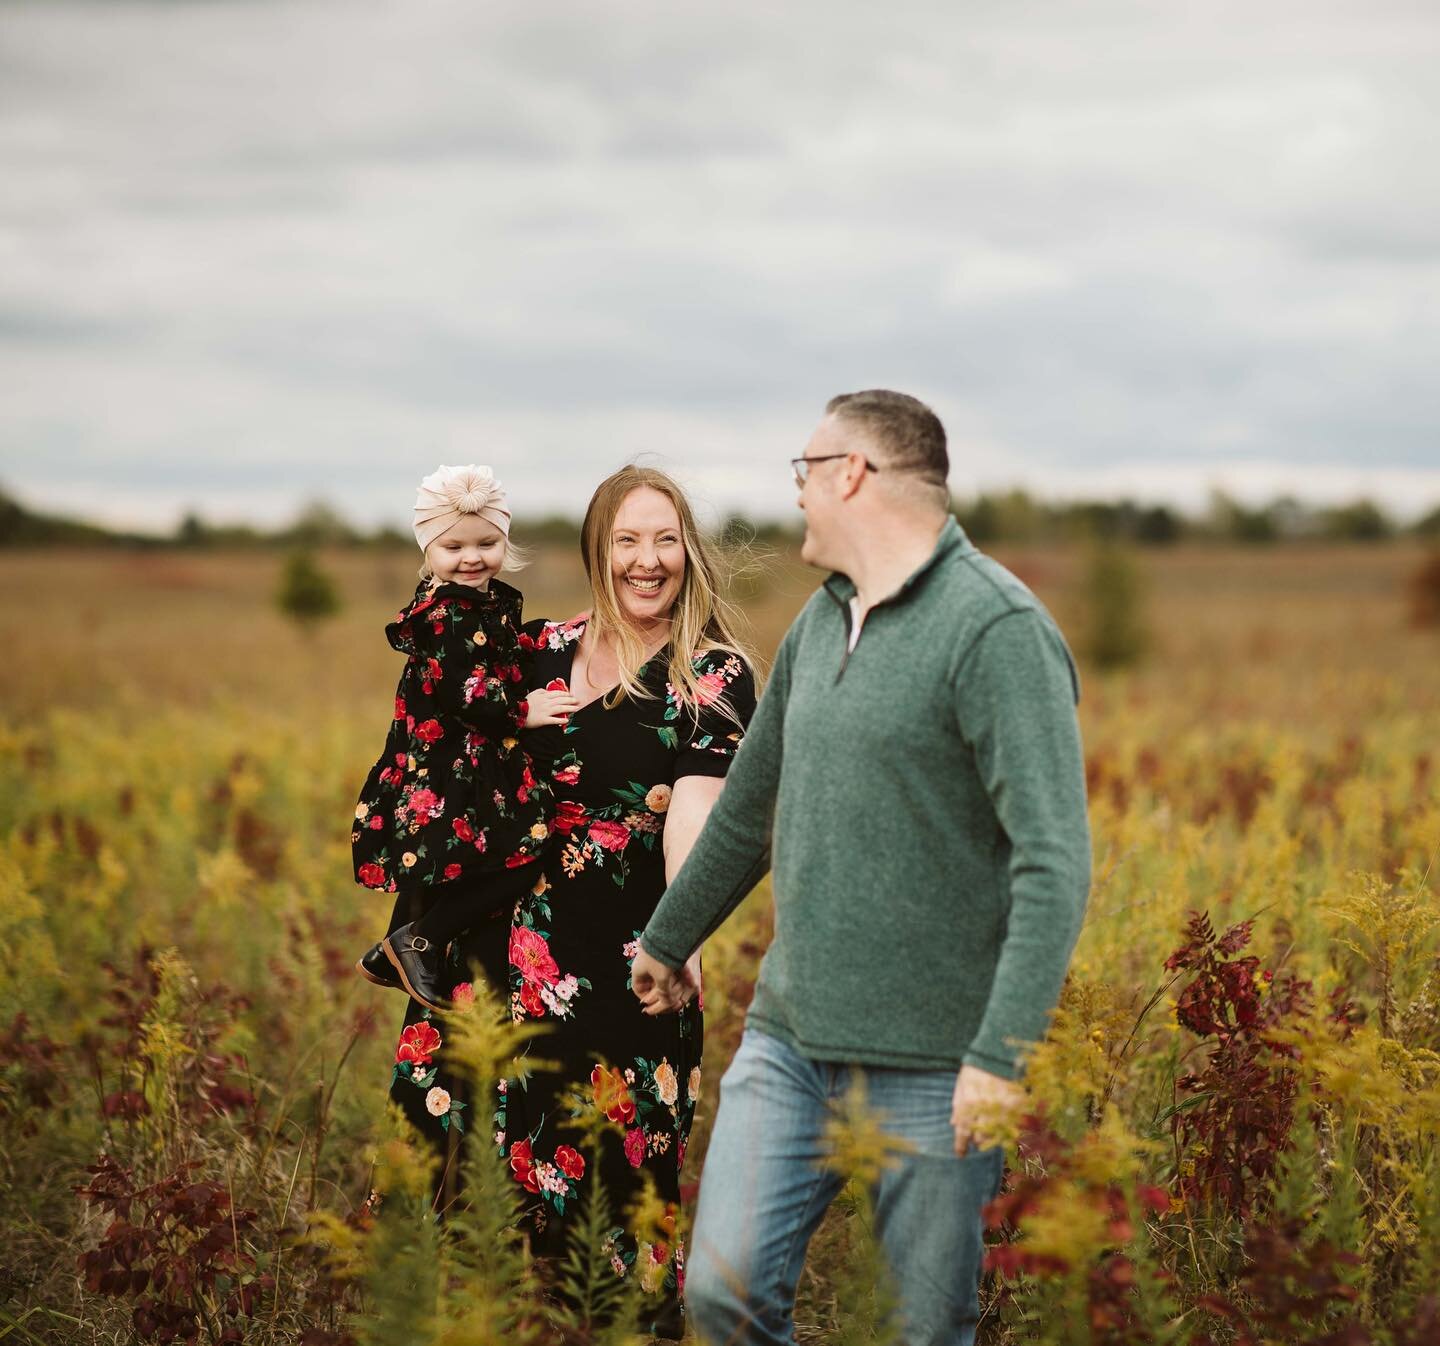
<point x="952" y="538"/>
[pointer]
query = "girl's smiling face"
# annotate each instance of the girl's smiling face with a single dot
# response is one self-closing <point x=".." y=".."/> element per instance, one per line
<point x="470" y="552"/>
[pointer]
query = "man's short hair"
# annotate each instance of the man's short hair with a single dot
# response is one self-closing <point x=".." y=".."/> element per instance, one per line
<point x="906" y="432"/>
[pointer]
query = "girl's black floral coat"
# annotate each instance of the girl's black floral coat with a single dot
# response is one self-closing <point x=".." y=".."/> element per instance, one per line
<point x="453" y="793"/>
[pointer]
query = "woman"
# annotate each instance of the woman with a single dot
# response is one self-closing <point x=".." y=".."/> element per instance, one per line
<point x="665" y="689"/>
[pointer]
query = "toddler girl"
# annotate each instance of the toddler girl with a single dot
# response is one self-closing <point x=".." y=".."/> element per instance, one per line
<point x="452" y="816"/>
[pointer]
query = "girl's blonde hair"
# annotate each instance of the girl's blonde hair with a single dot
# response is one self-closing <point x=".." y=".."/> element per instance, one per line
<point x="702" y="618"/>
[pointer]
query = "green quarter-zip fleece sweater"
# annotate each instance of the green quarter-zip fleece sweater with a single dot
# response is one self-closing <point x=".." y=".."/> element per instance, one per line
<point x="922" y="800"/>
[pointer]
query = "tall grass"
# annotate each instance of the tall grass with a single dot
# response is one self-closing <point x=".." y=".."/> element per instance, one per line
<point x="1232" y="1129"/>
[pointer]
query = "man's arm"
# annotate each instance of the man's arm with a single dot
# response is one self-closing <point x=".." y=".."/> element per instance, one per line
<point x="732" y="852"/>
<point x="1017" y="692"/>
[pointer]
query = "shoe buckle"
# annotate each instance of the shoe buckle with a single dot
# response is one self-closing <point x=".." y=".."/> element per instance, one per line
<point x="418" y="944"/>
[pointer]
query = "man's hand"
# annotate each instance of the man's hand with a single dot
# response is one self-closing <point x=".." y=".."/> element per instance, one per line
<point x="692" y="970"/>
<point x="659" y="989"/>
<point x="982" y="1103"/>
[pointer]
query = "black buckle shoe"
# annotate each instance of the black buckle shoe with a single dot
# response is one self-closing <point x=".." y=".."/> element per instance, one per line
<point x="419" y="962"/>
<point x="375" y="967"/>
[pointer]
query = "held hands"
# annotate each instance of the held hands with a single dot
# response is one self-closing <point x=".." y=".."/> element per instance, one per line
<point x="692" y="971"/>
<point x="983" y="1104"/>
<point x="549" y="706"/>
<point x="660" y="989"/>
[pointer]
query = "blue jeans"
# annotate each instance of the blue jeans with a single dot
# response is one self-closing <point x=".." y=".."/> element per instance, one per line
<point x="765" y="1189"/>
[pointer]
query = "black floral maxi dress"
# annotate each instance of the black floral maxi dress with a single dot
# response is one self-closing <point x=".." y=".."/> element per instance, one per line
<point x="564" y="960"/>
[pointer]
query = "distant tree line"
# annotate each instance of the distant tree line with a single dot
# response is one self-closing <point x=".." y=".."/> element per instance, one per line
<point x="1005" y="517"/>
<point x="1016" y="516"/>
<point x="319" y="525"/>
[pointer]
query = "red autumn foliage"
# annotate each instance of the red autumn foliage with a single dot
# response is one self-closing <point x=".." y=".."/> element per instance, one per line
<point x="34" y="1079"/>
<point x="1230" y="1130"/>
<point x="1294" y="1290"/>
<point x="1237" y="1120"/>
<point x="1046" y="1160"/>
<point x="210" y="1083"/>
<point x="176" y="1248"/>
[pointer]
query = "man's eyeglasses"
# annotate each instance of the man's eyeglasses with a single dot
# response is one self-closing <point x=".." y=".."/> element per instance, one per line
<point x="800" y="467"/>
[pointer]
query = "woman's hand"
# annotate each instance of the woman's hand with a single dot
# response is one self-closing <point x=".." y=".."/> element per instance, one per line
<point x="549" y="706"/>
<point x="657" y="988"/>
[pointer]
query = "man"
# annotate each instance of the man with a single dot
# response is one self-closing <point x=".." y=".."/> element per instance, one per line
<point x="913" y="776"/>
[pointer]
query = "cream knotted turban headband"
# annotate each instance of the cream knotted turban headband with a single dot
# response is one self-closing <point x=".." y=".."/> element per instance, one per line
<point x="449" y="493"/>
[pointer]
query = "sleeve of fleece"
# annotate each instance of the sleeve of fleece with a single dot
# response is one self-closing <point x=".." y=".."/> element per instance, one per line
<point x="732" y="853"/>
<point x="1017" y="693"/>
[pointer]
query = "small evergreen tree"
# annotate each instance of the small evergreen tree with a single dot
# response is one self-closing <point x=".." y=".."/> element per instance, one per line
<point x="1116" y="634"/>
<point x="1234" y="522"/>
<point x="1425" y="591"/>
<point x="192" y="531"/>
<point x="306" y="594"/>
<point x="1359" y="521"/>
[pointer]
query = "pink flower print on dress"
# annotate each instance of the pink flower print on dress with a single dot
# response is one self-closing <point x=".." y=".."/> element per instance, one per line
<point x="531" y="955"/>
<point x="423" y="805"/>
<point x="710" y="687"/>
<point x="612" y="836"/>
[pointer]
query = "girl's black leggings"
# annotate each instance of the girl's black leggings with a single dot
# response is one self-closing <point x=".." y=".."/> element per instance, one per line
<point x="442" y="912"/>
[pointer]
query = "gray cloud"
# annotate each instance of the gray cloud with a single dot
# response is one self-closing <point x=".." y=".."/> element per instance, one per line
<point x="253" y="252"/>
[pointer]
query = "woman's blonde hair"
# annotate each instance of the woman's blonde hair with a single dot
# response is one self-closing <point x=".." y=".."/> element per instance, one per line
<point x="702" y="618"/>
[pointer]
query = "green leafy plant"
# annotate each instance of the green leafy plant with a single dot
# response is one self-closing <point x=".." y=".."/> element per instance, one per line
<point x="306" y="595"/>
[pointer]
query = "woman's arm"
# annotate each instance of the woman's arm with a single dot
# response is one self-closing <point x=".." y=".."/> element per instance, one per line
<point x="691" y="800"/>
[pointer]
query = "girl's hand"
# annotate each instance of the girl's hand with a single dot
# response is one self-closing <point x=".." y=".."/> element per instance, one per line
<point x="550" y="705"/>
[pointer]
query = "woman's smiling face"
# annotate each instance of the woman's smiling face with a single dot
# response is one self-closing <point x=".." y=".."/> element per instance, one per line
<point x="647" y="556"/>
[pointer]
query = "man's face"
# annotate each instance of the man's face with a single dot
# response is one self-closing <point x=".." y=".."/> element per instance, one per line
<point x="820" y="497"/>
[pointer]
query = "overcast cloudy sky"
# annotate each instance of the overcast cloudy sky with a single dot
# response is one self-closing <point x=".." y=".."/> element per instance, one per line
<point x="256" y="253"/>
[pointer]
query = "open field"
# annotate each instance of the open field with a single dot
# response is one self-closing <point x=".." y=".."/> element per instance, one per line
<point x="177" y="769"/>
